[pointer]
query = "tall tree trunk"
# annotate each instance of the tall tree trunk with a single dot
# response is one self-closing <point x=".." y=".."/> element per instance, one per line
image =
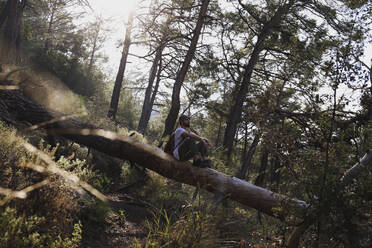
<point x="249" y="156"/>
<point x="219" y="133"/>
<point x="50" y="29"/>
<point x="119" y="77"/>
<point x="4" y="13"/>
<point x="275" y="172"/>
<point x="370" y="95"/>
<point x="244" y="153"/>
<point x="12" y="30"/>
<point x="147" y="104"/>
<point x="94" y="48"/>
<point x="156" y="88"/>
<point x="175" y="104"/>
<point x="236" y="109"/>
<point x="262" y="172"/>
<point x="156" y="69"/>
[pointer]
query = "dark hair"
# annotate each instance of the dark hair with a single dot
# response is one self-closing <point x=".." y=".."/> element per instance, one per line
<point x="183" y="117"/>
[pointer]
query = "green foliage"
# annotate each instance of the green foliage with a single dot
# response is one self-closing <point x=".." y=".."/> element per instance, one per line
<point x="163" y="192"/>
<point x="122" y="215"/>
<point x="356" y="3"/>
<point x="17" y="231"/>
<point x="21" y="224"/>
<point x="93" y="216"/>
<point x="20" y="231"/>
<point x="73" y="242"/>
<point x="10" y="145"/>
<point x="54" y="43"/>
<point x="191" y="229"/>
<point x="128" y="110"/>
<point x="98" y="180"/>
<point x="73" y="75"/>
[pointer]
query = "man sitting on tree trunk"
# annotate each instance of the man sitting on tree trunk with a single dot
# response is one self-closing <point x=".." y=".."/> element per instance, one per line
<point x="186" y="146"/>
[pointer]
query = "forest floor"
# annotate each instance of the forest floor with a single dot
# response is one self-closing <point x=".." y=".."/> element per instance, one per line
<point x="124" y="222"/>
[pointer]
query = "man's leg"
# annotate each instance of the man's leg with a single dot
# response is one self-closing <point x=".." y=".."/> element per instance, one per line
<point x="202" y="149"/>
<point x="188" y="150"/>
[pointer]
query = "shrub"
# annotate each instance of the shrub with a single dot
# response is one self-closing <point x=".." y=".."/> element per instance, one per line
<point x="191" y="229"/>
<point x="98" y="180"/>
<point x="21" y="223"/>
<point x="18" y="231"/>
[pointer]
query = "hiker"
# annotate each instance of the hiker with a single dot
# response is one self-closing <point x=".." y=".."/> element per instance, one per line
<point x="189" y="145"/>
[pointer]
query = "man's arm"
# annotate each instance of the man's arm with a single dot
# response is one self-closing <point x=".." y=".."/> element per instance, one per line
<point x="196" y="137"/>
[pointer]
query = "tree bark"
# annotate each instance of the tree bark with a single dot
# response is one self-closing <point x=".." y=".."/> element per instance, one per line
<point x="4" y="13"/>
<point x="120" y="75"/>
<point x="262" y="172"/>
<point x="156" y="69"/>
<point x="236" y="110"/>
<point x="171" y="119"/>
<point x="275" y="172"/>
<point x="49" y="39"/>
<point x="147" y="103"/>
<point x="12" y="30"/>
<point x="16" y="107"/>
<point x="369" y="109"/>
<point x="248" y="158"/>
<point x="217" y="143"/>
<point x="97" y="29"/>
<point x="295" y="236"/>
<point x="354" y="171"/>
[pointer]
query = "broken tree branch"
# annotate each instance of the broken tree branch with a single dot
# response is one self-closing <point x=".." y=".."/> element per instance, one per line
<point x="354" y="171"/>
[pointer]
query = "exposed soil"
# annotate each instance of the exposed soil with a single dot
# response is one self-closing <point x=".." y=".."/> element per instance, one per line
<point x="125" y="222"/>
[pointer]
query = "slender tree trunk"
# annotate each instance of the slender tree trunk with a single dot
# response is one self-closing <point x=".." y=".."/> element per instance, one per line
<point x="120" y="75"/>
<point x="248" y="158"/>
<point x="236" y="109"/>
<point x="370" y="95"/>
<point x="94" y="49"/>
<point x="275" y="172"/>
<point x="175" y="104"/>
<point x="262" y="172"/>
<point x="91" y="59"/>
<point x="147" y="104"/>
<point x="219" y="133"/>
<point x="295" y="236"/>
<point x="50" y="30"/>
<point x="156" y="88"/>
<point x="156" y="69"/>
<point x="158" y="78"/>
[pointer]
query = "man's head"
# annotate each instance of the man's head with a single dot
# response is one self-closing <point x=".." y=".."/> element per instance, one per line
<point x="184" y="121"/>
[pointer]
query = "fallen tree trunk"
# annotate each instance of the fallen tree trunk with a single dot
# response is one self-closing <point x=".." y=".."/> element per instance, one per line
<point x="354" y="171"/>
<point x="14" y="106"/>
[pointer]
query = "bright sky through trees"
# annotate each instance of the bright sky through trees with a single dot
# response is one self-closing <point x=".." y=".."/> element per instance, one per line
<point x="114" y="8"/>
<point x="118" y="11"/>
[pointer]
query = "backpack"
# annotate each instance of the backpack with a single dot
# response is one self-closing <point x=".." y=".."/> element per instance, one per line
<point x="169" y="146"/>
